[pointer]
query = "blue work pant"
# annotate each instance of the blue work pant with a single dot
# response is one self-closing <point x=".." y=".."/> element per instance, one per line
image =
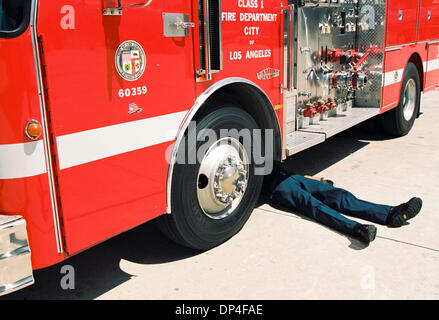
<point x="325" y="203"/>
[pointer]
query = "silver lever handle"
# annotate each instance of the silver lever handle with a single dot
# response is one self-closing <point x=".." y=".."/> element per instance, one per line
<point x="145" y="4"/>
<point x="183" y="25"/>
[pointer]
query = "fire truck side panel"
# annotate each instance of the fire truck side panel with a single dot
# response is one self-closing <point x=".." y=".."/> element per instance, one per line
<point x="24" y="186"/>
<point x="429" y="20"/>
<point x="401" y="21"/>
<point x="111" y="133"/>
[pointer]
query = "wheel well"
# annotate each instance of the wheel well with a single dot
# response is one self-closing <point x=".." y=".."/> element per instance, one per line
<point x="247" y="96"/>
<point x="252" y="100"/>
<point x="417" y="61"/>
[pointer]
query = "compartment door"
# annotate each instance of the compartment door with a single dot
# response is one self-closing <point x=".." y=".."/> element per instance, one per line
<point x="401" y="21"/>
<point x="429" y="20"/>
<point x="429" y="31"/>
<point x="118" y="89"/>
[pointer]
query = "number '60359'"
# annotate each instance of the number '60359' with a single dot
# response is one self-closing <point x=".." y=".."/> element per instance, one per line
<point x="131" y="92"/>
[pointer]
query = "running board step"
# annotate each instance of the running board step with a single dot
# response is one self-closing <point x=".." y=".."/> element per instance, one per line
<point x="298" y="141"/>
<point x="346" y="120"/>
<point x="314" y="134"/>
<point x="15" y="262"/>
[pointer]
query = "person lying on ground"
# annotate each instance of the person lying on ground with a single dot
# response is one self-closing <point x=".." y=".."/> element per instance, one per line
<point x="318" y="199"/>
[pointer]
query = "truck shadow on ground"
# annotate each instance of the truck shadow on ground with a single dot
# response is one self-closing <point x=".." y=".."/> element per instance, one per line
<point x="314" y="160"/>
<point x="97" y="270"/>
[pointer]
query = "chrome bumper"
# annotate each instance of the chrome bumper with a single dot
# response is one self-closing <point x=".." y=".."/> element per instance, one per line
<point x="15" y="263"/>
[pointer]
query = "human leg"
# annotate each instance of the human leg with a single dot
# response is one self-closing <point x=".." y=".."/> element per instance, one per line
<point x="290" y="194"/>
<point x="344" y="201"/>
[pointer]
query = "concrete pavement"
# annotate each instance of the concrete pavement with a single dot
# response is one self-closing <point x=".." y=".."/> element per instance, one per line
<point x="280" y="255"/>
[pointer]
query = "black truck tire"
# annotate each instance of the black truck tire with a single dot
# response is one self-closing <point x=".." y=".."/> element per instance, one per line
<point x="399" y="121"/>
<point x="192" y="222"/>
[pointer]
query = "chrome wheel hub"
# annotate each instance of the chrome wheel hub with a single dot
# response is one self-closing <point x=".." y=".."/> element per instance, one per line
<point x="409" y="99"/>
<point x="230" y="180"/>
<point x="222" y="178"/>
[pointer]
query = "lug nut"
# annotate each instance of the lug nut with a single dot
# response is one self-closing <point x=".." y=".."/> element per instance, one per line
<point x="241" y="184"/>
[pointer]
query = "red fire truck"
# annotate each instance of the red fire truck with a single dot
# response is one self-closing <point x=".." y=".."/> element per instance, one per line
<point x="98" y="100"/>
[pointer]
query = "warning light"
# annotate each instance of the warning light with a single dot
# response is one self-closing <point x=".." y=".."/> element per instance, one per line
<point x="33" y="130"/>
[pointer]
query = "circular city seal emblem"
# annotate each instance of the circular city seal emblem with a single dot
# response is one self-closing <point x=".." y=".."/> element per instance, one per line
<point x="130" y="60"/>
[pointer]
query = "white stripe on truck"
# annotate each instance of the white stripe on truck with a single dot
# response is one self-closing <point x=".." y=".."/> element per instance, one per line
<point x="22" y="160"/>
<point x="91" y="145"/>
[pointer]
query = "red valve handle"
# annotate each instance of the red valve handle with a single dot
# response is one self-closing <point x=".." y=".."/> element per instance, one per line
<point x="330" y="105"/>
<point x="309" y="112"/>
<point x="321" y="107"/>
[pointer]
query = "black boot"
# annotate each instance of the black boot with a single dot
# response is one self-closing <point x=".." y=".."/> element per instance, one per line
<point x="327" y="181"/>
<point x="365" y="233"/>
<point x="399" y="215"/>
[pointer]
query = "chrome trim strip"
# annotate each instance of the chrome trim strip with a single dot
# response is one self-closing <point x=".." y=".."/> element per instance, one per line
<point x="220" y="31"/>
<point x="320" y="5"/>
<point x="286" y="49"/>
<point x="287" y="87"/>
<point x="207" y="39"/>
<point x="389" y="105"/>
<point x="393" y="49"/>
<point x="190" y="115"/>
<point x="425" y="41"/>
<point x="44" y="123"/>
<point x="402" y="45"/>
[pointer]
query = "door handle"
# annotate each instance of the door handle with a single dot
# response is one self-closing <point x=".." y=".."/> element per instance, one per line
<point x="176" y="24"/>
<point x="118" y="11"/>
<point x="184" y="25"/>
